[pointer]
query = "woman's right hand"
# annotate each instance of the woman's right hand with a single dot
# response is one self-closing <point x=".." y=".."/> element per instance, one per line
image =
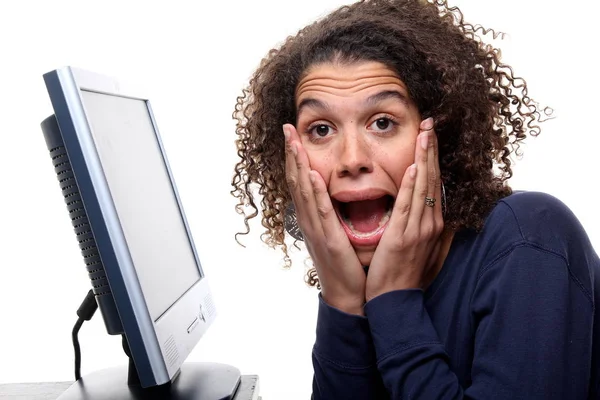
<point x="340" y="273"/>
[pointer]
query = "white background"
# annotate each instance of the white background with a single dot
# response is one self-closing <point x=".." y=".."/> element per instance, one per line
<point x="194" y="58"/>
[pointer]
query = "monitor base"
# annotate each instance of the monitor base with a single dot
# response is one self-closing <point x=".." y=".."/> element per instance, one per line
<point x="206" y="381"/>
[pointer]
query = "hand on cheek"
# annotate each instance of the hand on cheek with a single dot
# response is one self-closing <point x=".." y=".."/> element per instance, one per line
<point x="340" y="273"/>
<point x="411" y="240"/>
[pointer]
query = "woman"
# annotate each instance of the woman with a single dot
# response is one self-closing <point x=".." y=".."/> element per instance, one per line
<point x="389" y="125"/>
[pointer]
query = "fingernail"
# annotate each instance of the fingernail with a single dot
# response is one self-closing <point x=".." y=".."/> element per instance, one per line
<point x="427" y="124"/>
<point x="424" y="140"/>
<point x="286" y="133"/>
<point x="294" y="149"/>
<point x="311" y="176"/>
<point x="412" y="170"/>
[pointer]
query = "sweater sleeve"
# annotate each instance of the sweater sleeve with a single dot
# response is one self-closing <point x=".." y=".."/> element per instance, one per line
<point x="344" y="358"/>
<point x="532" y="324"/>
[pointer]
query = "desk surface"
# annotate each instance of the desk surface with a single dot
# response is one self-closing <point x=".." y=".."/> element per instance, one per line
<point x="51" y="390"/>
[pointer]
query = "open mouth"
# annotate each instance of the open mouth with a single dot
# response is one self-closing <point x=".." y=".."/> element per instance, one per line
<point x="366" y="218"/>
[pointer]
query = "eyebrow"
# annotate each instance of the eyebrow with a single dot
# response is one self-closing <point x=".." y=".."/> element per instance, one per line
<point x="312" y="103"/>
<point x="387" y="94"/>
<point x="371" y="101"/>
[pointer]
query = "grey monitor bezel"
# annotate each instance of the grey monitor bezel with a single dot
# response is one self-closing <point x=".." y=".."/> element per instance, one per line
<point x="158" y="347"/>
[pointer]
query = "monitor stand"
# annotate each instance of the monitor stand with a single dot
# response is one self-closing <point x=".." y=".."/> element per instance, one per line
<point x="194" y="381"/>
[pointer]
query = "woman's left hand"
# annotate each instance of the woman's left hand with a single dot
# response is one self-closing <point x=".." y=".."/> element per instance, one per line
<point x="411" y="241"/>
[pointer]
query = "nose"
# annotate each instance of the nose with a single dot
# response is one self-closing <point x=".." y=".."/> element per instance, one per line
<point x="354" y="156"/>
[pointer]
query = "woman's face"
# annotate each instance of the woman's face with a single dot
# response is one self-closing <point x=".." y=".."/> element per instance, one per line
<point x="359" y="128"/>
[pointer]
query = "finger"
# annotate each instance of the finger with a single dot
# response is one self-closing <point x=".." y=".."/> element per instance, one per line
<point x="332" y="229"/>
<point x="403" y="203"/>
<point x="421" y="185"/>
<point x="292" y="132"/>
<point x="438" y="209"/>
<point x="303" y="195"/>
<point x="291" y="175"/>
<point x="432" y="222"/>
<point x="291" y="171"/>
<point x="433" y="173"/>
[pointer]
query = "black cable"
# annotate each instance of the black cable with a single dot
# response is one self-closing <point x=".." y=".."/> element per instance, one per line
<point x="85" y="312"/>
<point x="77" y="349"/>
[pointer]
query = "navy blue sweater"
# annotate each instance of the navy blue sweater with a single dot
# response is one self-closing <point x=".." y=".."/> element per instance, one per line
<point x="511" y="315"/>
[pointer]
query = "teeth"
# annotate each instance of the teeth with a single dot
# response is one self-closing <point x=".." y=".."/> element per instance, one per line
<point x="384" y="220"/>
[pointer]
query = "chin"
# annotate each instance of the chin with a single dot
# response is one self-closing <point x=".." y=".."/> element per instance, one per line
<point x="365" y="256"/>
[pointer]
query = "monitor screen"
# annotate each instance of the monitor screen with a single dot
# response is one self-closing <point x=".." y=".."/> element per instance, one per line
<point x="139" y="183"/>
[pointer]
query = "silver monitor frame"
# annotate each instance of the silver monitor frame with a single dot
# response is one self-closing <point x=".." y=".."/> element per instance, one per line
<point x="157" y="348"/>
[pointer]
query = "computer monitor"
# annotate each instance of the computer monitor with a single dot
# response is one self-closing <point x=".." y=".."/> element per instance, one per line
<point x="132" y="231"/>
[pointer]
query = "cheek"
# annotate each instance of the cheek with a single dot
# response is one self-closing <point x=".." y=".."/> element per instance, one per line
<point x="396" y="164"/>
<point x="321" y="163"/>
<point x="399" y="171"/>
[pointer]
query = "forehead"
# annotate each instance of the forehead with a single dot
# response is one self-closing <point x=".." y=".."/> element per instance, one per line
<point x="348" y="80"/>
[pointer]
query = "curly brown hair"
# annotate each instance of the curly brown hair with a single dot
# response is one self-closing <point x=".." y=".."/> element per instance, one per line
<point x="481" y="110"/>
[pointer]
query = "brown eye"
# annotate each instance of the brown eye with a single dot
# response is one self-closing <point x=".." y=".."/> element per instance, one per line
<point x="322" y="130"/>
<point x="383" y="123"/>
